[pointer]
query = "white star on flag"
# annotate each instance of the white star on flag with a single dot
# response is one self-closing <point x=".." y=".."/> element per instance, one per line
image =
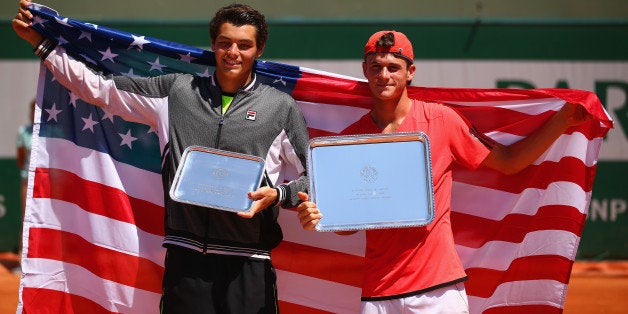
<point x="108" y="116"/>
<point x="73" y="99"/>
<point x="107" y="54"/>
<point x="139" y="42"/>
<point x="130" y="73"/>
<point x="39" y="20"/>
<point x="53" y="112"/>
<point x="89" y="123"/>
<point x="85" y="34"/>
<point x="61" y="40"/>
<point x="63" y="21"/>
<point x="204" y="74"/>
<point x="187" y="57"/>
<point x="127" y="139"/>
<point x="280" y="80"/>
<point x="155" y="65"/>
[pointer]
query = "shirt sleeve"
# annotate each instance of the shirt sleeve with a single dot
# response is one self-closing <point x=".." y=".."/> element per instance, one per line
<point x="469" y="147"/>
<point x="295" y="156"/>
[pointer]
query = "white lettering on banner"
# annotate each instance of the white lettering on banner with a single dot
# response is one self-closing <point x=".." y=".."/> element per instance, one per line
<point x="607" y="210"/>
<point x="3" y="209"/>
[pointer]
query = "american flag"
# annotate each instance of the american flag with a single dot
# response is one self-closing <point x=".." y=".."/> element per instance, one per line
<point x="94" y="218"/>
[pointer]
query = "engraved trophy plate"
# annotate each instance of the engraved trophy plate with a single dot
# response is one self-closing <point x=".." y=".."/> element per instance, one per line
<point x="216" y="178"/>
<point x="371" y="181"/>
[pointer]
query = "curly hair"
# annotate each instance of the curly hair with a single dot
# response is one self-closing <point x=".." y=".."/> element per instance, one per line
<point x="239" y="15"/>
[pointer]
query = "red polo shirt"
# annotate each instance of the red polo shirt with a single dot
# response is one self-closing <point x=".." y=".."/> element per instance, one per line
<point x="407" y="261"/>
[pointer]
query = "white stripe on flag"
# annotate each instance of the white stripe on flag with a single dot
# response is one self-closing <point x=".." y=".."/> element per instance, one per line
<point x="495" y="204"/>
<point x="329" y="117"/>
<point x="504" y="138"/>
<point x="350" y="244"/>
<point x="119" y="236"/>
<point x="316" y="293"/>
<point x="63" y="154"/>
<point x="570" y="145"/>
<point x="499" y="255"/>
<point x="115" y="297"/>
<point x="516" y="293"/>
<point x="527" y="106"/>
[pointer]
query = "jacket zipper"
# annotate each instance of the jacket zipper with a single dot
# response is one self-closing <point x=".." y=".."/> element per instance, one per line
<point x="222" y="121"/>
<point x="220" y="124"/>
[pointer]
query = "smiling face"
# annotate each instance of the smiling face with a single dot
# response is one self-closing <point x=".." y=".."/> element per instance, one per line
<point x="387" y="75"/>
<point x="236" y="50"/>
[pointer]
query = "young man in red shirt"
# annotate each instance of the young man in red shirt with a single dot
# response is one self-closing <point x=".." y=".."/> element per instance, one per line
<point x="417" y="269"/>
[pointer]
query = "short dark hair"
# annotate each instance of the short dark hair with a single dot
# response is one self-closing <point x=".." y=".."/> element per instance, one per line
<point x="386" y="40"/>
<point x="240" y="15"/>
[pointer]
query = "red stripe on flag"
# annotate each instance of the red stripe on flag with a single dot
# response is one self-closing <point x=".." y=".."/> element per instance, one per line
<point x="287" y="307"/>
<point x="317" y="88"/>
<point x="568" y="169"/>
<point x="98" y="199"/>
<point x="588" y="99"/>
<point x="319" y="263"/>
<point x="105" y="263"/>
<point x="489" y="119"/>
<point x="318" y="133"/>
<point x="40" y="300"/>
<point x="485" y="95"/>
<point x="483" y="282"/>
<point x="473" y="231"/>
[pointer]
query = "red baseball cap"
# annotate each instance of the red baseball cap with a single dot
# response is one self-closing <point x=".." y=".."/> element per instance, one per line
<point x="400" y="46"/>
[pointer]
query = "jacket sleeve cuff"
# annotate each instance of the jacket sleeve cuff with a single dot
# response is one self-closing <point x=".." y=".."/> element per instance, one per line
<point x="281" y="195"/>
<point x="45" y="46"/>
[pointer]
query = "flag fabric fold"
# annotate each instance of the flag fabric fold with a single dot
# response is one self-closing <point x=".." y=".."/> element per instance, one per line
<point x="94" y="220"/>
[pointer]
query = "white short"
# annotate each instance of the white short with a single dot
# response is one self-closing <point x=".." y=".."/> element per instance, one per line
<point x="448" y="300"/>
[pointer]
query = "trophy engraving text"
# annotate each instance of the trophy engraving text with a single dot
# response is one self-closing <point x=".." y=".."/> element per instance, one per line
<point x="214" y="189"/>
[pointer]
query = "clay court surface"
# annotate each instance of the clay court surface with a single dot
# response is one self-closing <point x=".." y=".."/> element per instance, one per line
<point x="595" y="287"/>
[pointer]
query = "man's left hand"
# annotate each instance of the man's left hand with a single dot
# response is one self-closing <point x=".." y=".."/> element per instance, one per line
<point x="263" y="197"/>
<point x="575" y="114"/>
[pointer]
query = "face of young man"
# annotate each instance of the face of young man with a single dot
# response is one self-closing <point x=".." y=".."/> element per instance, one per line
<point x="236" y="49"/>
<point x="387" y="75"/>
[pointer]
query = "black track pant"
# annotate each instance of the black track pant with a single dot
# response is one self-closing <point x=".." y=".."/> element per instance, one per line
<point x="197" y="283"/>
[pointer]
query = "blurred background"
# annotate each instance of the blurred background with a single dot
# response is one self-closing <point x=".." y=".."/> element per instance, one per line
<point x="577" y="44"/>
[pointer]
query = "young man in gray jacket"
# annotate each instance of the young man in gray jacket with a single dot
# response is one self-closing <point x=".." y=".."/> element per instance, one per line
<point x="217" y="261"/>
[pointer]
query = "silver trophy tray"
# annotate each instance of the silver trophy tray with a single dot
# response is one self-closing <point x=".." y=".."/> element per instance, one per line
<point x="371" y="181"/>
<point x="216" y="178"/>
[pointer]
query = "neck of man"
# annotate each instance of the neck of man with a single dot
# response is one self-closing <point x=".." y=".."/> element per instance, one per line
<point x="389" y="114"/>
<point x="230" y="84"/>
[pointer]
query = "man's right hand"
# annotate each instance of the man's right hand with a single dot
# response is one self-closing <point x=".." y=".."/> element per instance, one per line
<point x="22" y="22"/>
<point x="309" y="215"/>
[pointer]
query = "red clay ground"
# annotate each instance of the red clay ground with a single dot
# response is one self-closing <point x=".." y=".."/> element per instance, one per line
<point x="595" y="287"/>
